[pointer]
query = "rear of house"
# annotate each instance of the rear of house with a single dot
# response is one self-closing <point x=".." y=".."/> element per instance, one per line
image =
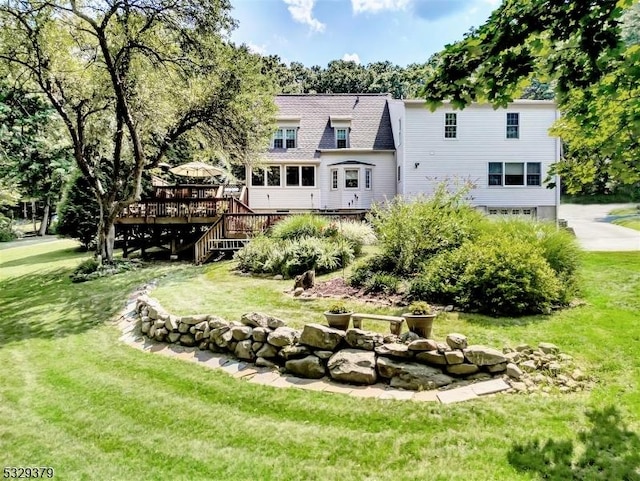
<point x="505" y="153"/>
<point x="329" y="152"/>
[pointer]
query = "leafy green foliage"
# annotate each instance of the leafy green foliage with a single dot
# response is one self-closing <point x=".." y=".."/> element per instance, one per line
<point x="382" y="282"/>
<point x="7" y="232"/>
<point x="412" y="232"/>
<point x="91" y="269"/>
<point x="300" y="225"/>
<point x="79" y="213"/>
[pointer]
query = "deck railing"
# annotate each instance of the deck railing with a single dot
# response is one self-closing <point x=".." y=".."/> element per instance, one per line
<point x="178" y="208"/>
<point x="202" y="245"/>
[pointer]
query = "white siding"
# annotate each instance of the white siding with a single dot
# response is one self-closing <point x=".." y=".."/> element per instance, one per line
<point x="399" y="127"/>
<point x="429" y="158"/>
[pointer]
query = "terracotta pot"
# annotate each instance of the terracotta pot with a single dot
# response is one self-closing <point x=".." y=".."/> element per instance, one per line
<point x="421" y="324"/>
<point x="338" y="321"/>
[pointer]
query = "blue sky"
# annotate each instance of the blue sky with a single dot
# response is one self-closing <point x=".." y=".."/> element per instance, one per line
<point x="315" y="32"/>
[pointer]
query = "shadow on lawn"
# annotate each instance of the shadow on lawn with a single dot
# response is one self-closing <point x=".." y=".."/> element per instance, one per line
<point x="47" y="305"/>
<point x="487" y="321"/>
<point x="45" y="257"/>
<point x="608" y="451"/>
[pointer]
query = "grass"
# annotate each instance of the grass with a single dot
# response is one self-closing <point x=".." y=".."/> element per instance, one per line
<point x="630" y="217"/>
<point x="75" y="398"/>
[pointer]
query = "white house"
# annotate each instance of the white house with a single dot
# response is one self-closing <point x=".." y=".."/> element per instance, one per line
<point x="346" y="151"/>
<point x="505" y="153"/>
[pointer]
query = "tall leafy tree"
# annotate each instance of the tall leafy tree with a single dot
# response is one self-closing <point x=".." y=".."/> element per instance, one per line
<point x="35" y="156"/>
<point x="131" y="77"/>
<point x="576" y="44"/>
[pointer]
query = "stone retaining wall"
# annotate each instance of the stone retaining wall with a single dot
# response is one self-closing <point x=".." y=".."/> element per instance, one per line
<point x="358" y="356"/>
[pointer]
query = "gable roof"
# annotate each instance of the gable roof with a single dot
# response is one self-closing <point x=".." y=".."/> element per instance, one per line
<point x="368" y="114"/>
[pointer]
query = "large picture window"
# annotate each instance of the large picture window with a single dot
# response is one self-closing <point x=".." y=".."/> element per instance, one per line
<point x="273" y="176"/>
<point x="513" y="174"/>
<point x="351" y="178"/>
<point x="293" y="176"/>
<point x="300" y="175"/>
<point x="257" y="176"/>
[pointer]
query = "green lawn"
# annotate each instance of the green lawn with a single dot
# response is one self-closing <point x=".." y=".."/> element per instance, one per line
<point x="631" y="217"/>
<point x="74" y="398"/>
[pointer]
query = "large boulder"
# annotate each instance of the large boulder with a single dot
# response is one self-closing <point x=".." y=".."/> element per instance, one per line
<point x="193" y="320"/>
<point x="255" y="319"/>
<point x="321" y="337"/>
<point x="310" y="367"/>
<point x="283" y="336"/>
<point x="484" y="356"/>
<point x="366" y="340"/>
<point x="353" y="365"/>
<point x="295" y="351"/>
<point x="411" y="375"/>
<point x="457" y="341"/>
<point x="432" y="357"/>
<point x="260" y="334"/>
<point x="241" y="333"/>
<point x="423" y="345"/>
<point x="267" y="351"/>
<point x="243" y="351"/>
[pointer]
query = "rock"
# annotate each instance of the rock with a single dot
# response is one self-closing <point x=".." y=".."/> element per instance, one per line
<point x="145" y="327"/>
<point x="201" y="326"/>
<point x="513" y="371"/>
<point x="256" y="346"/>
<point x="484" y="356"/>
<point x="411" y="375"/>
<point x="519" y="386"/>
<point x="173" y="337"/>
<point x="548" y="348"/>
<point x="152" y="331"/>
<point x="183" y="328"/>
<point x="295" y="351"/>
<point x="310" y="367"/>
<point x="306" y="280"/>
<point x="514" y="356"/>
<point x="578" y="375"/>
<point x="161" y="333"/>
<point x="432" y="357"/>
<point x="283" y="336"/>
<point x="193" y="320"/>
<point x="457" y="341"/>
<point x="324" y="355"/>
<point x="267" y="351"/>
<point x="496" y="368"/>
<point x="152" y="312"/>
<point x="199" y="335"/>
<point x="297" y="292"/>
<point x="216" y="322"/>
<point x="394" y="350"/>
<point x="392" y="338"/>
<point x="275" y="323"/>
<point x="463" y="369"/>
<point x="442" y="347"/>
<point x="353" y="365"/>
<point x="529" y="366"/>
<point x="192" y="329"/>
<point x="361" y="339"/>
<point x="454" y="357"/>
<point x="260" y="334"/>
<point x="158" y="324"/>
<point x="523" y="348"/>
<point x="187" y="340"/>
<point x="408" y="337"/>
<point x="321" y="337"/>
<point x="262" y="362"/>
<point x="554" y="368"/>
<point x="423" y="345"/>
<point x="278" y="277"/>
<point x="243" y="351"/>
<point x="255" y="319"/>
<point x="480" y="376"/>
<point x="241" y="333"/>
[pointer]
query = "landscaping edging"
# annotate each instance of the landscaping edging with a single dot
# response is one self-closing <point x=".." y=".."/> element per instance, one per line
<point x="361" y="357"/>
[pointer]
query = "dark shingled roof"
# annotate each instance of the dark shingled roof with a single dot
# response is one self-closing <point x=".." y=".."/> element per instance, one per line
<point x="370" y="122"/>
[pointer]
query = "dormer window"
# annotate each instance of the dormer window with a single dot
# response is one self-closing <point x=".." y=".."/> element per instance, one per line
<point x="342" y="138"/>
<point x="341" y="125"/>
<point x="285" y="139"/>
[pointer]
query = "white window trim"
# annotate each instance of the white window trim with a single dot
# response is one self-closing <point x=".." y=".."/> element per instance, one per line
<point x="300" y="186"/>
<point x="346" y="130"/>
<point x="334" y="173"/>
<point x="368" y="172"/>
<point x="503" y="186"/>
<point x="284" y="130"/>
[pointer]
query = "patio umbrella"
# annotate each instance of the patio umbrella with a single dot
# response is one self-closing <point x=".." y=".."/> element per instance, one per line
<point x="196" y="169"/>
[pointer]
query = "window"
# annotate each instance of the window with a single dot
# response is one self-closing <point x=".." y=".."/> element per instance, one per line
<point x="293" y="176"/>
<point x="399" y="131"/>
<point x="450" y="126"/>
<point x="308" y="176"/>
<point x="257" y="177"/>
<point x="334" y="179"/>
<point x="284" y="138"/>
<point x="297" y="175"/>
<point x="513" y="125"/>
<point x="341" y="138"/>
<point x="399" y="171"/>
<point x="367" y="178"/>
<point x="273" y="176"/>
<point x="351" y="178"/>
<point x="513" y="173"/>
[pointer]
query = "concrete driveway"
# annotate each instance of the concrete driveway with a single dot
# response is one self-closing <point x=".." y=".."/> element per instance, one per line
<point x="594" y="232"/>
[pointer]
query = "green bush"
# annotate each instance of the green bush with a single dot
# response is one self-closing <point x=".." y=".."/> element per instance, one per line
<point x="413" y="232"/>
<point x="79" y="213"/>
<point x="7" y="232"/>
<point x="359" y="234"/>
<point x="300" y="225"/>
<point x="366" y="268"/>
<point x="439" y="280"/>
<point x="382" y="282"/>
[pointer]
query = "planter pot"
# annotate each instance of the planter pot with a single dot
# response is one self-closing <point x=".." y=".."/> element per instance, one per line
<point x="338" y="321"/>
<point x="421" y="324"/>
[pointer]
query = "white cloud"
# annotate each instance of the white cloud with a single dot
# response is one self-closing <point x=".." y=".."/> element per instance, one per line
<point x="351" y="57"/>
<point x="374" y="6"/>
<point x="301" y="11"/>
<point x="259" y="49"/>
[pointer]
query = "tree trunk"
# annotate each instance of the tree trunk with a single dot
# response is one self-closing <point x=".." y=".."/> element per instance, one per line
<point x="106" y="233"/>
<point x="44" y="225"/>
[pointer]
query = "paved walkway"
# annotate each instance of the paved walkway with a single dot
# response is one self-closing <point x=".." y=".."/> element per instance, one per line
<point x="594" y="231"/>
<point x="132" y="336"/>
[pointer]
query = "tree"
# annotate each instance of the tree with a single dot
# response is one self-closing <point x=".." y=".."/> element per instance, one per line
<point x="79" y="212"/>
<point x="130" y="78"/>
<point x="35" y="155"/>
<point x="579" y="47"/>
